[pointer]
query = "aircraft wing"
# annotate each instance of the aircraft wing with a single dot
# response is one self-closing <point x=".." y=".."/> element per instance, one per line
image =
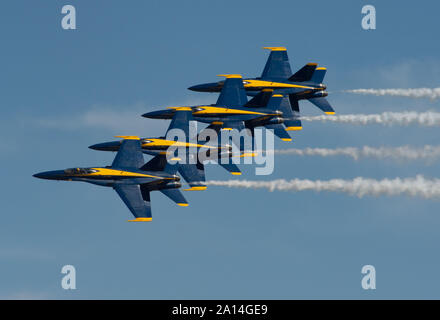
<point x="277" y="65"/>
<point x="138" y="203"/>
<point x="129" y="154"/>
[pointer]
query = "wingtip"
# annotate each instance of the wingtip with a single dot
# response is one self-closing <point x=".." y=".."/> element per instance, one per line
<point x="200" y="188"/>
<point x="140" y="219"/>
<point x="183" y="204"/>
<point x="293" y="128"/>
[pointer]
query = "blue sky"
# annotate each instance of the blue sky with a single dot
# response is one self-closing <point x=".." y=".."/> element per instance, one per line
<point x="65" y="90"/>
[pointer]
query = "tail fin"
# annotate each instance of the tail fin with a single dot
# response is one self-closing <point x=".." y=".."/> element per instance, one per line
<point x="274" y="102"/>
<point x="304" y="74"/>
<point x="318" y="75"/>
<point x="277" y="65"/>
<point x="181" y="120"/>
<point x="157" y="163"/>
<point x="261" y="99"/>
<point x="160" y="163"/>
<point x="129" y="154"/>
<point x="233" y="92"/>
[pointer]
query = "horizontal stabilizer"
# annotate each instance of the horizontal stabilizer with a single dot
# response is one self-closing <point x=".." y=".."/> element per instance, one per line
<point x="304" y="74"/>
<point x="322" y="104"/>
<point x="279" y="131"/>
<point x="293" y="124"/>
<point x="231" y="168"/>
<point x="176" y="196"/>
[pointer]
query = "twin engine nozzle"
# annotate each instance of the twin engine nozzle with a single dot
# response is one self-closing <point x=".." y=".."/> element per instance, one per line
<point x="320" y="94"/>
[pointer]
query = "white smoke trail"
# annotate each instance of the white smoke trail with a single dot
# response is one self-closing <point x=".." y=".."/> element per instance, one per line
<point x="426" y="152"/>
<point x="415" y="187"/>
<point x="431" y="93"/>
<point x="428" y="118"/>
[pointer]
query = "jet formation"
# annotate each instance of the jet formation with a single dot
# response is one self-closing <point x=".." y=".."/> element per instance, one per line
<point x="273" y="105"/>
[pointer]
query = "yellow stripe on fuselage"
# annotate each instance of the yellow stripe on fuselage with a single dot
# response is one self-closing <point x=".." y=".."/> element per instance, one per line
<point x="167" y="143"/>
<point x="228" y="111"/>
<point x="117" y="173"/>
<point x="269" y="84"/>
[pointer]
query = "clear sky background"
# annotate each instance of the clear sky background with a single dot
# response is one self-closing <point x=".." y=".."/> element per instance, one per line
<point x="65" y="90"/>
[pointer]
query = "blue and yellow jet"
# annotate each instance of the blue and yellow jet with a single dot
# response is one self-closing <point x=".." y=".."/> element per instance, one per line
<point x="234" y="111"/>
<point x="305" y="84"/>
<point x="192" y="171"/>
<point x="129" y="177"/>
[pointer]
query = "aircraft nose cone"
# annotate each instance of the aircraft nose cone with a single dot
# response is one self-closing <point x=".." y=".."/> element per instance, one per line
<point x="160" y="114"/>
<point x="43" y="175"/>
<point x="195" y="88"/>
<point x="97" y="146"/>
<point x="206" y="87"/>
<point x="106" y="146"/>
<point x="50" y="175"/>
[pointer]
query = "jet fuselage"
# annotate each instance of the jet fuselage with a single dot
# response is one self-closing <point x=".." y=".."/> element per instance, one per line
<point x="109" y="176"/>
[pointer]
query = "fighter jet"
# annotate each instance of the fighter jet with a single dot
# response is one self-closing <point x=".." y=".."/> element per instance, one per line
<point x="193" y="170"/>
<point x="129" y="177"/>
<point x="305" y="84"/>
<point x="234" y="111"/>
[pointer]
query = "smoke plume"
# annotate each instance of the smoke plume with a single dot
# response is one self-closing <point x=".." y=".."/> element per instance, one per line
<point x="430" y="93"/>
<point x="405" y="118"/>
<point x="415" y="187"/>
<point x="427" y="152"/>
